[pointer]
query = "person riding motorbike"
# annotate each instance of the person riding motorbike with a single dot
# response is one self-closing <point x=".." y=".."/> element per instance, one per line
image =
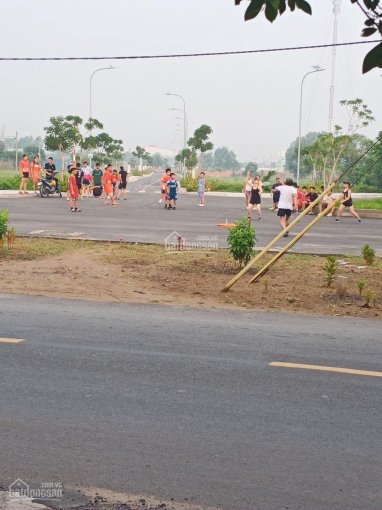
<point x="50" y="171"/>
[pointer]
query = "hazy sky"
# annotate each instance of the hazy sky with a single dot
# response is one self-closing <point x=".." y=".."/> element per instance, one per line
<point x="250" y="101"/>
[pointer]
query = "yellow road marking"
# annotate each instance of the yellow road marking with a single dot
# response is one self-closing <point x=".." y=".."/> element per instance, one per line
<point x="326" y="369"/>
<point x="11" y="340"/>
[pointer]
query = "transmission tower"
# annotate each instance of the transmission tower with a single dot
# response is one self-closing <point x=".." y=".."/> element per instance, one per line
<point x="336" y="15"/>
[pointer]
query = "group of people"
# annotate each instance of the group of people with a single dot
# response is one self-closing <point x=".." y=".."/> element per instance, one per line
<point x="108" y="184"/>
<point x="33" y="169"/>
<point x="289" y="197"/>
<point x="169" y="187"/>
<point x="83" y="181"/>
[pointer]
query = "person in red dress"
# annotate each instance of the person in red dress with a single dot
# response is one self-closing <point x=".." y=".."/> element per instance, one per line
<point x="73" y="190"/>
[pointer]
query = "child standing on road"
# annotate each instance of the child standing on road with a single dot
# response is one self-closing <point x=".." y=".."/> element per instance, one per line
<point x="115" y="182"/>
<point x="108" y="186"/>
<point x="172" y="193"/>
<point x="202" y="188"/>
<point x="73" y="190"/>
<point x="163" y="187"/>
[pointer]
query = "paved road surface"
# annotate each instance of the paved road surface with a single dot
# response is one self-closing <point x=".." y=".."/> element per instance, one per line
<point x="182" y="403"/>
<point x="142" y="219"/>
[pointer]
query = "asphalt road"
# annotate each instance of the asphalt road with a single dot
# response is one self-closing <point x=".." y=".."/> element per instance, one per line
<point x="141" y="219"/>
<point x="182" y="403"/>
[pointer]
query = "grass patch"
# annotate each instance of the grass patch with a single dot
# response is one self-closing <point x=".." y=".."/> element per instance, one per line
<point x="31" y="249"/>
<point x="368" y="203"/>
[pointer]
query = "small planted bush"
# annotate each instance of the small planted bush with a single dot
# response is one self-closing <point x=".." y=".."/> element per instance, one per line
<point x="368" y="254"/>
<point x="241" y="240"/>
<point x="361" y="284"/>
<point x="330" y="269"/>
<point x="3" y="223"/>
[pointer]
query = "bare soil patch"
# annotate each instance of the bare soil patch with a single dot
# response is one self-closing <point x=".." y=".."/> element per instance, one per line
<point x="150" y="274"/>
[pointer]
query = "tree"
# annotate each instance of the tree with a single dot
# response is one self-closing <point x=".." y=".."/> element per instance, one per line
<point x="328" y="150"/>
<point x="251" y="167"/>
<point x="208" y="160"/>
<point x="32" y="151"/>
<point x="107" y="148"/>
<point x="291" y="153"/>
<point x="188" y="157"/>
<point x="141" y="154"/>
<point x="359" y="114"/>
<point x="224" y="159"/>
<point x="199" y="141"/>
<point x="368" y="171"/>
<point x="63" y="135"/>
<point x="157" y="160"/>
<point x="371" y="8"/>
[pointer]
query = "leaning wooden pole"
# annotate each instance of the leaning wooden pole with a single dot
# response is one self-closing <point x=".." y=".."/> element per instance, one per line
<point x="252" y="262"/>
<point x="278" y="255"/>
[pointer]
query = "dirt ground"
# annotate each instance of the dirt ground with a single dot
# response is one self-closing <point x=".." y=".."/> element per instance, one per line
<point x="150" y="274"/>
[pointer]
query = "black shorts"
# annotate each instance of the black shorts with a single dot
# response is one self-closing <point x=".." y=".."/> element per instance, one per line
<point x="122" y="185"/>
<point x="25" y="175"/>
<point x="284" y="212"/>
<point x="255" y="200"/>
<point x="348" y="203"/>
<point x="86" y="182"/>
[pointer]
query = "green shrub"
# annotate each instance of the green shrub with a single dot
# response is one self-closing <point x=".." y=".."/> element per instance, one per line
<point x="189" y="184"/>
<point x="3" y="223"/>
<point x="10" y="181"/>
<point x="361" y="284"/>
<point x="368" y="254"/>
<point x="241" y="240"/>
<point x="331" y="269"/>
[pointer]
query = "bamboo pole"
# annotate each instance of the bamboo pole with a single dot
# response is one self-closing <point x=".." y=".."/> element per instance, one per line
<point x="278" y="255"/>
<point x="252" y="262"/>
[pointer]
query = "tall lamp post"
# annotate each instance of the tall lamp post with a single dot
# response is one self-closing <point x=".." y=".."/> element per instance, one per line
<point x="90" y="86"/>
<point x="90" y="97"/>
<point x="316" y="69"/>
<point x="184" y="117"/>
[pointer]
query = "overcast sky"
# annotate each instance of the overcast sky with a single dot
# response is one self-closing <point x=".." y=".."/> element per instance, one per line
<point x="250" y="101"/>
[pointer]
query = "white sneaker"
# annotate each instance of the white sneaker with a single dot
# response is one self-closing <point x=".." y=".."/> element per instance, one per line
<point x="160" y="201"/>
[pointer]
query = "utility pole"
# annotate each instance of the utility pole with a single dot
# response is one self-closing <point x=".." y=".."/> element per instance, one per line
<point x="336" y="15"/>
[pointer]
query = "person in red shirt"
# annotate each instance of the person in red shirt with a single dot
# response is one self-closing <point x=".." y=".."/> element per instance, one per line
<point x="73" y="190"/>
<point x="24" y="168"/>
<point x="108" y="186"/>
<point x="36" y="172"/>
<point x="163" y="186"/>
<point x="302" y="201"/>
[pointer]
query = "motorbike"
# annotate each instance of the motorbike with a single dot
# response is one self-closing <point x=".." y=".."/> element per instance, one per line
<point x="49" y="187"/>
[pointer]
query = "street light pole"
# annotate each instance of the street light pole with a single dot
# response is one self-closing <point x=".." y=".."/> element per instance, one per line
<point x="184" y="114"/>
<point x="316" y="70"/>
<point x="185" y="135"/>
<point x="90" y="86"/>
<point x="90" y="97"/>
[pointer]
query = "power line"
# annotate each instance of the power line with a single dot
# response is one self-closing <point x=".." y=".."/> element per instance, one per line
<point x="186" y="55"/>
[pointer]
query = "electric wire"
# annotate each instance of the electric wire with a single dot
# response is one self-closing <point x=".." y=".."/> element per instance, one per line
<point x="186" y="55"/>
